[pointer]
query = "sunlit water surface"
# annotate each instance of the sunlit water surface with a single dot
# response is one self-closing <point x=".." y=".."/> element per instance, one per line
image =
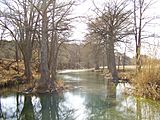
<point x="92" y="98"/>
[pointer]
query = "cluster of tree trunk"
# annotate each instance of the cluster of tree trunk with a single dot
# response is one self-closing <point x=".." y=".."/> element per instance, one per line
<point x="113" y="24"/>
<point x="45" y="22"/>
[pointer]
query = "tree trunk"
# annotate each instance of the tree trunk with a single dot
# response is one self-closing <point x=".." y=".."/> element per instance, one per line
<point x="17" y="58"/>
<point x="96" y="66"/>
<point x="53" y="49"/>
<point x="111" y="60"/>
<point x="96" y="62"/>
<point x="27" y="65"/>
<point x="107" y="54"/>
<point x="124" y="60"/>
<point x="138" y="31"/>
<point x="138" y="59"/>
<point x="27" y="46"/>
<point x="119" y="58"/>
<point x="113" y="64"/>
<point x="44" y="82"/>
<point x="53" y="72"/>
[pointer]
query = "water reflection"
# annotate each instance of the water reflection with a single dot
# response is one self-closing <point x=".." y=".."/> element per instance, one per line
<point x="0" y="109"/>
<point x="93" y="99"/>
<point x="27" y="111"/>
<point x="11" y="106"/>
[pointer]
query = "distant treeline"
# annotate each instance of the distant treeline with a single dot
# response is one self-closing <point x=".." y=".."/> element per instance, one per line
<point x="71" y="56"/>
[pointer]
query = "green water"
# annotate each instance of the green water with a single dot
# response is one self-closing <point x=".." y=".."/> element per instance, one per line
<point x="92" y="98"/>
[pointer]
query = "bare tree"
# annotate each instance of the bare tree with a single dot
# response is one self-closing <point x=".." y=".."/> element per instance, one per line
<point x="140" y="7"/>
<point x="20" y="19"/>
<point x="97" y="47"/>
<point x="55" y="23"/>
<point x="61" y="25"/>
<point x="112" y="25"/>
<point x="45" y="21"/>
<point x="44" y="70"/>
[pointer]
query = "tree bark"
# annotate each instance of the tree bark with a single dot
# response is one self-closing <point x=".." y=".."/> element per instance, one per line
<point x="17" y="57"/>
<point x="44" y="82"/>
<point x="138" y="58"/>
<point x="27" y="65"/>
<point x="112" y="62"/>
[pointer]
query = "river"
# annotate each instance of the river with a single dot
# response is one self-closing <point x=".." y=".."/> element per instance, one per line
<point x="92" y="98"/>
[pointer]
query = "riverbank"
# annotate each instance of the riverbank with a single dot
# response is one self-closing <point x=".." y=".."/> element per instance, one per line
<point x="11" y="75"/>
<point x="92" y="98"/>
<point x="145" y="83"/>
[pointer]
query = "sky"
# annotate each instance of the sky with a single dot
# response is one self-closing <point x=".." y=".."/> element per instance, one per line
<point x="85" y="9"/>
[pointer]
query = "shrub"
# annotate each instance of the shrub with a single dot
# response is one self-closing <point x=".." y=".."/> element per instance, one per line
<point x="147" y="81"/>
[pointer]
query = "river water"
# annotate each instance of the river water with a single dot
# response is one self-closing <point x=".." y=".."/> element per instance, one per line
<point x="92" y="98"/>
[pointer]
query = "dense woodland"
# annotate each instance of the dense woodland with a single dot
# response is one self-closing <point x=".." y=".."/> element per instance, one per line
<point x="35" y="39"/>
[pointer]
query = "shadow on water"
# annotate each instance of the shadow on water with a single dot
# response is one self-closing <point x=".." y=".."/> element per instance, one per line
<point x="93" y="98"/>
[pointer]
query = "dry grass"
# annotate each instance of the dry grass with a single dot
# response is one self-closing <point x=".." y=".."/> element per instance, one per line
<point x="8" y="69"/>
<point x="147" y="81"/>
<point x="9" y="76"/>
<point x="127" y="74"/>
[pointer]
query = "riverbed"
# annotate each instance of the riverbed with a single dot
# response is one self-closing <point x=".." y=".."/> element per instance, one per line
<point x="91" y="98"/>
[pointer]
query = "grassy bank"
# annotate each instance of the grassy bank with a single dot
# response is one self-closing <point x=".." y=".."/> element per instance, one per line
<point x="147" y="81"/>
<point x="11" y="73"/>
<point x="12" y="76"/>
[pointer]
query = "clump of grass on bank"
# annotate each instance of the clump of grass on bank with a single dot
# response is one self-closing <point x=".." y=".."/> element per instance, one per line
<point x="11" y="78"/>
<point x="126" y="75"/>
<point x="147" y="81"/>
